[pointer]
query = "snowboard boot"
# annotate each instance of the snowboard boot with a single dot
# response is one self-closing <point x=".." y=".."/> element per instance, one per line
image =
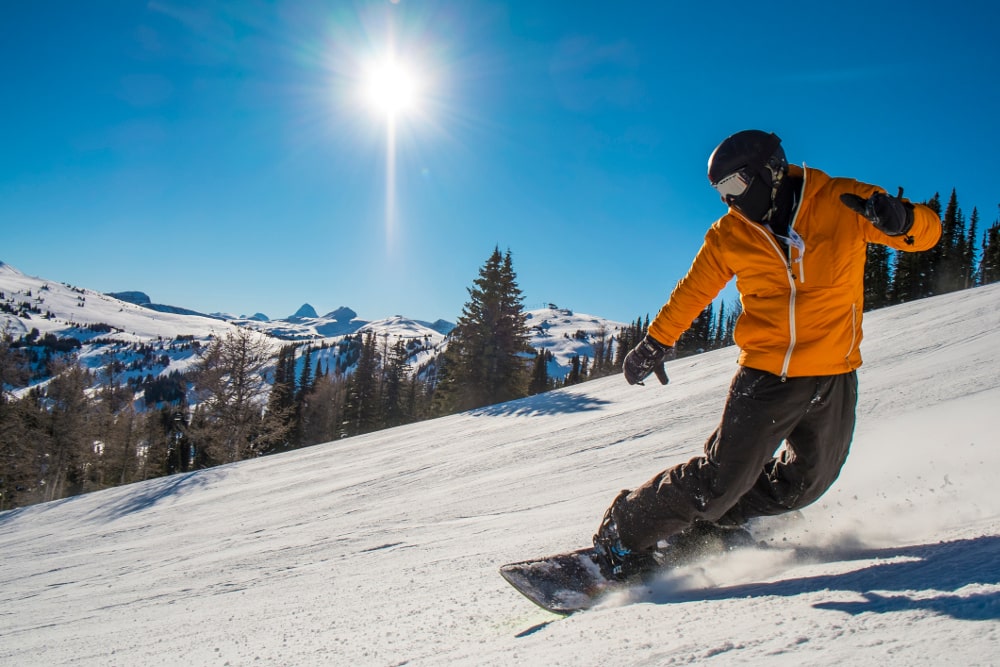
<point x="616" y="561"/>
<point x="704" y="538"/>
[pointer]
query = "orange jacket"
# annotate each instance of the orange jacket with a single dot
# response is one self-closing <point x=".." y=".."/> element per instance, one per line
<point x="801" y="307"/>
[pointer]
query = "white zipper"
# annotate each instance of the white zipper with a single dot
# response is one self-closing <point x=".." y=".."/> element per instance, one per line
<point x="791" y="300"/>
<point x="788" y="267"/>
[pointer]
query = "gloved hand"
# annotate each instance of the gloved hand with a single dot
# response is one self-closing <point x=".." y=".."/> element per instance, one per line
<point x="646" y="358"/>
<point x="889" y="214"/>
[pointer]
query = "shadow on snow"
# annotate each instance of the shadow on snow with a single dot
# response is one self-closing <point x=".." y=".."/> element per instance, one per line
<point x="147" y="494"/>
<point x="122" y="501"/>
<point x="928" y="579"/>
<point x="549" y="403"/>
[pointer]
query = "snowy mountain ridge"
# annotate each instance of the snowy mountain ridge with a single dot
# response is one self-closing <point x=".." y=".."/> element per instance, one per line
<point x="118" y="309"/>
<point x="383" y="549"/>
<point x="103" y="322"/>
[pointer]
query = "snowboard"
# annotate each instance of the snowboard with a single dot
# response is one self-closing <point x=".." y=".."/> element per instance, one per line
<point x="563" y="583"/>
<point x="570" y="582"/>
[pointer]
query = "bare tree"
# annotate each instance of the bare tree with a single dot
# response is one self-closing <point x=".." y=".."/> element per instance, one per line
<point x="70" y="420"/>
<point x="13" y="365"/>
<point x="601" y="342"/>
<point x="231" y="389"/>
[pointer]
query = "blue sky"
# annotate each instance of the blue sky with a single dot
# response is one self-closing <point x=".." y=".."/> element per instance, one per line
<point x="217" y="155"/>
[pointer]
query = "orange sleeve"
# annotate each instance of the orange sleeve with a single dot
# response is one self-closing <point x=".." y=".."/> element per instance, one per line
<point x="924" y="234"/>
<point x="707" y="276"/>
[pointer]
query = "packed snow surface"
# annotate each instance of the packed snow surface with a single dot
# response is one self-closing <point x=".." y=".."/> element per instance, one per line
<point x="384" y="549"/>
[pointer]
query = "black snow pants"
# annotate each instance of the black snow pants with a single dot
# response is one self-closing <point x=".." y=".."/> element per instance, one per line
<point x="742" y="473"/>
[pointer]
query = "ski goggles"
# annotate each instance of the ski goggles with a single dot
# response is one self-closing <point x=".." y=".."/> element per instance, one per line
<point x="734" y="185"/>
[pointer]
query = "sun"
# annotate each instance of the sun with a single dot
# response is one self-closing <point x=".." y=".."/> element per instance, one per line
<point x="391" y="88"/>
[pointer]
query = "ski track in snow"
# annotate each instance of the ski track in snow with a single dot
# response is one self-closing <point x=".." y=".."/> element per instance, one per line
<point x="383" y="549"/>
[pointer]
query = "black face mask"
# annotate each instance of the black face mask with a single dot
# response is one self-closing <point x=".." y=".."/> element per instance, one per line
<point x="756" y="201"/>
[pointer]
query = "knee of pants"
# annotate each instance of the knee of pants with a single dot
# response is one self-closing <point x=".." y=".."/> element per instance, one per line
<point x="730" y="483"/>
<point x="807" y="487"/>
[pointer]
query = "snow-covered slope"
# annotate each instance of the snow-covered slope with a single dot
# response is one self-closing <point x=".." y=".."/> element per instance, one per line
<point x="383" y="549"/>
<point x="565" y="334"/>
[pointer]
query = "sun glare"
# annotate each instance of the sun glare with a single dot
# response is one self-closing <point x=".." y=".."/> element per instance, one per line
<point x="393" y="92"/>
<point x="391" y="88"/>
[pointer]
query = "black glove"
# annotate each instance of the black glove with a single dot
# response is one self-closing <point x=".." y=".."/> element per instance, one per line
<point x="646" y="358"/>
<point x="891" y="215"/>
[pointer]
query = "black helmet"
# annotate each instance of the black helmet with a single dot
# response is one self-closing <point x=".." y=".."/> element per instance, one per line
<point x="746" y="169"/>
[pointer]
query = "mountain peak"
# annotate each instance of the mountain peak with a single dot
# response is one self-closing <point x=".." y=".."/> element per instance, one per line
<point x="342" y="314"/>
<point x="134" y="297"/>
<point x="303" y="312"/>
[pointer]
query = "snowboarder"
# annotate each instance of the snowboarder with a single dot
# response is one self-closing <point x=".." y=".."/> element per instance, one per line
<point x="795" y="239"/>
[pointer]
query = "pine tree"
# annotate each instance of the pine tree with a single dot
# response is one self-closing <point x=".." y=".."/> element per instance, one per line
<point x="574" y="376"/>
<point x="607" y="365"/>
<point x="914" y="272"/>
<point x="284" y="412"/>
<point x="487" y="355"/>
<point x="415" y="399"/>
<point x="951" y="249"/>
<point x="395" y="373"/>
<point x="539" y="374"/>
<point x="732" y="317"/>
<point x="601" y="344"/>
<point x="877" y="278"/>
<point x="323" y="411"/>
<point x="906" y="283"/>
<point x="989" y="264"/>
<point x="361" y="409"/>
<point x="446" y="390"/>
<point x="719" y="337"/>
<point x="512" y="338"/>
<point x="282" y="395"/>
<point x="305" y="378"/>
<point x="969" y="263"/>
<point x="628" y="338"/>
<point x="698" y="337"/>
